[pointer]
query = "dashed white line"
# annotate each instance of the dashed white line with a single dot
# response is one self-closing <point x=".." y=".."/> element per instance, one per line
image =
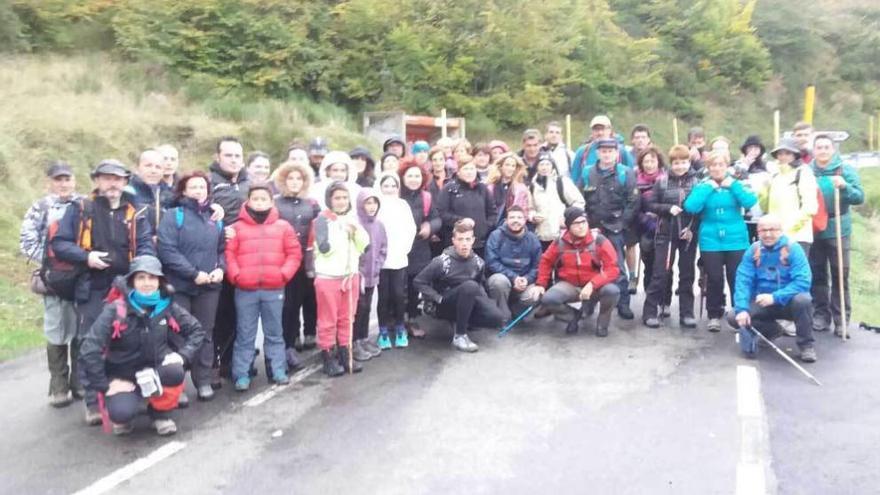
<point x="131" y="470"/>
<point x="753" y="467"/>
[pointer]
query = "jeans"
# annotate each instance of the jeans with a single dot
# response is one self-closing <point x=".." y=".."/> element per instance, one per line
<point x="203" y="307"/>
<point x="799" y="310"/>
<point x="826" y="301"/>
<point x="557" y="297"/>
<point x="251" y="306"/>
<point x="501" y="291"/>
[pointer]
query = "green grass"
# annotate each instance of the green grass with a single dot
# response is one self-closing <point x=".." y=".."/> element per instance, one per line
<point x="21" y="315"/>
<point x="865" y="265"/>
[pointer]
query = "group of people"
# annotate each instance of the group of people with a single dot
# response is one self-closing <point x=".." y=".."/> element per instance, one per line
<point x="159" y="272"/>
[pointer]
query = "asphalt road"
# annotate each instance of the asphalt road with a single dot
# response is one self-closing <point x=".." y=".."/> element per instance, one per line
<point x="642" y="412"/>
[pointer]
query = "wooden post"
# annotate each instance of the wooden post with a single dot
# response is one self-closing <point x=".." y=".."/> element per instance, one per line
<point x="568" y="132"/>
<point x="443" y="122"/>
<point x="840" y="279"/>
<point x="871" y="133"/>
<point x="809" y="102"/>
<point x="675" y="130"/>
<point x="877" y="142"/>
<point x="462" y="128"/>
<point x="776" y="128"/>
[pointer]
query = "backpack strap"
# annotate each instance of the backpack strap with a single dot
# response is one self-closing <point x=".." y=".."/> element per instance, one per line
<point x="119" y="322"/>
<point x="86" y="218"/>
<point x="131" y="221"/>
<point x="178" y="217"/>
<point x="560" y="190"/>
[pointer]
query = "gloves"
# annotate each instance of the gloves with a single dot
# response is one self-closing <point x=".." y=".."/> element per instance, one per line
<point x="172" y="358"/>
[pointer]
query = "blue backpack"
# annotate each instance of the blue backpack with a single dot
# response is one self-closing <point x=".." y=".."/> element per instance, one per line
<point x="178" y="217"/>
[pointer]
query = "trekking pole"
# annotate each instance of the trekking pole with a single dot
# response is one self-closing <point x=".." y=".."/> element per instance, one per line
<point x="785" y="356"/>
<point x="516" y="320"/>
<point x="839" y="241"/>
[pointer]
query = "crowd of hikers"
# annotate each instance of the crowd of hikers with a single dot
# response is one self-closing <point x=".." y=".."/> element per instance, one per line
<point x="156" y="272"/>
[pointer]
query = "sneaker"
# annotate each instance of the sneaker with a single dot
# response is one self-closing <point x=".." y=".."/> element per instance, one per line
<point x="183" y="400"/>
<point x="652" y="322"/>
<point x="808" y="354"/>
<point x="401" y="340"/>
<point x="383" y="342"/>
<point x="122" y="429"/>
<point x="625" y="313"/>
<point x="242" y="384"/>
<point x="298" y="344"/>
<point x="60" y="399"/>
<point x="165" y="427"/>
<point x="360" y="354"/>
<point x="687" y="322"/>
<point x="665" y="312"/>
<point x="309" y="342"/>
<point x="77" y="393"/>
<point x="371" y="347"/>
<point x="93" y="416"/>
<point x="281" y="379"/>
<point x="216" y="380"/>
<point x="714" y="325"/>
<point x="205" y="393"/>
<point x="294" y="363"/>
<point x="463" y="343"/>
<point x="788" y="327"/>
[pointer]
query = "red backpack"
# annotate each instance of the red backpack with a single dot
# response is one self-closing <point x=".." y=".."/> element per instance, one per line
<point x="820" y="219"/>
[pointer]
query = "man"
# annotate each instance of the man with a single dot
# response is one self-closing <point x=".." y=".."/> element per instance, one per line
<point x="772" y="283"/>
<point x="640" y="137"/>
<point x="512" y="255"/>
<point x="170" y="164"/>
<point x="586" y="269"/>
<point x="557" y="149"/>
<point x="531" y="148"/>
<point x="452" y="288"/>
<point x="101" y="237"/>
<point x="831" y="172"/>
<point x="149" y="188"/>
<point x="697" y="145"/>
<point x="802" y="132"/>
<point x="587" y="155"/>
<point x="612" y="201"/>
<point x="394" y="144"/>
<point x="318" y="148"/>
<point x="59" y="315"/>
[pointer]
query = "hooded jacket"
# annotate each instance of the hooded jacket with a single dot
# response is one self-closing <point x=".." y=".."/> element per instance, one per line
<point x="782" y="280"/>
<point x="35" y="225"/>
<point x="645" y="220"/>
<point x="458" y="200"/>
<point x="513" y="256"/>
<point x="851" y="195"/>
<point x="156" y="198"/>
<point x="197" y="245"/>
<point x="792" y="197"/>
<point x="447" y="271"/>
<point x="722" y="226"/>
<point x="377" y="251"/>
<point x="547" y="203"/>
<point x="510" y="194"/>
<point x="298" y="210"/>
<point x="319" y="190"/>
<point x="399" y="223"/>
<point x="574" y="264"/>
<point x="229" y="193"/>
<point x="337" y="251"/>
<point x="262" y="256"/>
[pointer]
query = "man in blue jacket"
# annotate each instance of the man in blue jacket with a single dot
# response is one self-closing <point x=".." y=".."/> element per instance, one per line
<point x="773" y="283"/>
<point x="512" y="255"/>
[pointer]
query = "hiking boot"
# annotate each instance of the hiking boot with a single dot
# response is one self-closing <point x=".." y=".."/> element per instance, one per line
<point x="183" y="400"/>
<point x="371" y="347"/>
<point x="205" y="393"/>
<point x="383" y="342"/>
<point x="687" y="322"/>
<point x="541" y="312"/>
<point x="60" y="399"/>
<point x="414" y="330"/>
<point x="652" y="322"/>
<point x="309" y="342"/>
<point x="714" y="325"/>
<point x="820" y="324"/>
<point x="77" y="393"/>
<point x="633" y="285"/>
<point x="93" y="415"/>
<point x="808" y="354"/>
<point x="571" y="327"/>
<point x="242" y="384"/>
<point x="401" y="340"/>
<point x="463" y="343"/>
<point x="360" y="354"/>
<point x="298" y="344"/>
<point x="625" y="313"/>
<point x="165" y="427"/>
<point x="665" y="312"/>
<point x="281" y="379"/>
<point x="122" y="429"/>
<point x="588" y="308"/>
<point x="59" y="375"/>
<point x="331" y="364"/>
<point x="601" y="331"/>
<point x="356" y="367"/>
<point x="294" y="363"/>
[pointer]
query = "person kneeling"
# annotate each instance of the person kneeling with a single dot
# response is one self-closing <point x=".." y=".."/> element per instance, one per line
<point x="586" y="269"/>
<point x="452" y="287"/>
<point x="773" y="283"/>
<point x="134" y="328"/>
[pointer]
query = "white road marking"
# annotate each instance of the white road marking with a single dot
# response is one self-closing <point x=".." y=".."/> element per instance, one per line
<point x="753" y="467"/>
<point x="131" y="470"/>
<point x="274" y="389"/>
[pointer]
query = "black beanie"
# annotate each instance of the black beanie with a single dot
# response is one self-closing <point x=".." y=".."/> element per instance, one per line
<point x="572" y="213"/>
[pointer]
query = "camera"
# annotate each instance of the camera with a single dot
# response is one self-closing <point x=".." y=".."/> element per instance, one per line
<point x="148" y="381"/>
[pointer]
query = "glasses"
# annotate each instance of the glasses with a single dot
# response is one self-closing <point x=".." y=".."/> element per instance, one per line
<point x="768" y="229"/>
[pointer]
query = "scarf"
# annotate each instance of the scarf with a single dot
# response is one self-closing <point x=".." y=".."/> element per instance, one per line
<point x="144" y="302"/>
<point x="258" y="216"/>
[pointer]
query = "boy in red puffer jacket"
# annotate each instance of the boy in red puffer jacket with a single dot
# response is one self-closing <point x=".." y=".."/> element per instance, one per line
<point x="261" y="257"/>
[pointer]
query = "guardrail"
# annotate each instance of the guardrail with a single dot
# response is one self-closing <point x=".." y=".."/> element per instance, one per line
<point x="863" y="159"/>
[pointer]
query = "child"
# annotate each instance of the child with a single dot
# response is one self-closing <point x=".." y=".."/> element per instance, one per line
<point x="261" y="257"/>
<point x="368" y="206"/>
<point x="338" y="244"/>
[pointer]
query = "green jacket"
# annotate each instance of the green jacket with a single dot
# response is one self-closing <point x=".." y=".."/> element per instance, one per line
<point x="851" y="195"/>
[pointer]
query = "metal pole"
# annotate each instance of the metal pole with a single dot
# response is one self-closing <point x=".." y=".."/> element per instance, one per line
<point x="785" y="356"/>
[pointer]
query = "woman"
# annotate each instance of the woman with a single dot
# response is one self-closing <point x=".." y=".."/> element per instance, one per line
<point x="335" y="166"/>
<point x="294" y="181"/>
<point x="482" y="159"/>
<point x="506" y="183"/>
<point x="364" y="165"/>
<point x="551" y="195"/>
<point x="719" y="201"/>
<point x="428" y="221"/>
<point x="191" y="248"/>
<point x="792" y="194"/>
<point x="127" y="354"/>
<point x="461" y="152"/>
<point x="651" y="167"/>
<point x="465" y="197"/>
<point x="752" y="170"/>
<point x="389" y="161"/>
<point x="438" y="176"/>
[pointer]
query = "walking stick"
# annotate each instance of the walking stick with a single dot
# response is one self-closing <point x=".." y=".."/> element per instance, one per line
<point x="351" y="312"/>
<point x="785" y="356"/>
<point x="516" y="320"/>
<point x="839" y="242"/>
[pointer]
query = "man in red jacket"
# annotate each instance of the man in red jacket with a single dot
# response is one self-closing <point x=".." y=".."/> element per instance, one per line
<point x="586" y="269"/>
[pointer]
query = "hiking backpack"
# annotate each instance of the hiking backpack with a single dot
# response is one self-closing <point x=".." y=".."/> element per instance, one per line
<point x="597" y="239"/>
<point x="820" y="219"/>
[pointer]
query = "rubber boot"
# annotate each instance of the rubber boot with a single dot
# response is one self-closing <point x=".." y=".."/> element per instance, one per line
<point x="59" y="375"/>
<point x="331" y="363"/>
<point x="76" y="388"/>
<point x="356" y="367"/>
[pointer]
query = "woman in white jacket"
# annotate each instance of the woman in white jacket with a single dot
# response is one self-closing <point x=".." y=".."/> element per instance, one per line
<point x="400" y="228"/>
<point x="551" y="195"/>
<point x="336" y="165"/>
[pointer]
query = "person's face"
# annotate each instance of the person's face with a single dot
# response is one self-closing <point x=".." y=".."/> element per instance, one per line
<point x="315" y="159"/>
<point x="294" y="182"/>
<point x="579" y="227"/>
<point x="197" y="189"/>
<point x="697" y="142"/>
<point x="496" y="152"/>
<point x="717" y="170"/>
<point x="785" y="157"/>
<point x="641" y="140"/>
<point x="110" y="186"/>
<point x="600" y="132"/>
<point x="769" y="232"/>
<point x="260" y="200"/>
<point x="553" y="135"/>
<point x="803" y="137"/>
<point x="508" y="168"/>
<point x="339" y="201"/>
<point x="531" y="147"/>
<point x="298" y="157"/>
<point x="447" y="149"/>
<point x="468" y="172"/>
<point x="463" y="243"/>
<point x="823" y="150"/>
<point x="230" y="157"/>
<point x="62" y="186"/>
<point x="259" y="168"/>
<point x="170" y="161"/>
<point x="545" y="167"/>
<point x="396" y="148"/>
<point x="460" y="153"/>
<point x="516" y="221"/>
<point x="151" y="167"/>
<point x="145" y="283"/>
<point x="389" y="187"/>
<point x="481" y="159"/>
<point x="438" y="162"/>
<point x="412" y="179"/>
<point x="390" y="164"/>
<point x="608" y="157"/>
<point x="753" y="151"/>
<point x="371" y="206"/>
<point x="680" y="166"/>
<point x="650" y="163"/>
<point x="420" y="157"/>
<point x="359" y="163"/>
<point x="337" y="171"/>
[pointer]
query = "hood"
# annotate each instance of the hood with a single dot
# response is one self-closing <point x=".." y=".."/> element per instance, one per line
<point x="335" y="186"/>
<point x="366" y="193"/>
<point x="246" y="217"/>
<point x="393" y="176"/>
<point x="285" y="170"/>
<point x="337" y="157"/>
<point x="834" y="164"/>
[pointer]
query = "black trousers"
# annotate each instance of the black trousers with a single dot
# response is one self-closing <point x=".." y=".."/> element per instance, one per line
<point x="659" y="292"/>
<point x="469" y="305"/>
<point x="362" y="315"/>
<point x="412" y="297"/>
<point x="224" y="327"/>
<point x="124" y="406"/>
<point x="799" y="310"/>
<point x="392" y="297"/>
<point x="648" y="254"/>
<point x="718" y="265"/>
<point x="826" y="300"/>
<point x="204" y="308"/>
<point x="87" y="312"/>
<point x="299" y="295"/>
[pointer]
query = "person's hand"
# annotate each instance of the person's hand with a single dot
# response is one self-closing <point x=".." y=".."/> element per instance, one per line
<point x="351" y="227"/>
<point x="586" y="292"/>
<point x="172" y="358"/>
<point x="538" y="218"/>
<point x="202" y="278"/>
<point x="217" y="212"/>
<point x="520" y="284"/>
<point x="216" y="276"/>
<point x="536" y="292"/>
<point x="727" y="182"/>
<point x="743" y="319"/>
<point x="694" y="153"/>
<point x="229" y="232"/>
<point x="118" y="386"/>
<point x="425" y="230"/>
<point x="838" y="181"/>
<point x="96" y="260"/>
<point x="764" y="300"/>
<point x="675" y="210"/>
<point x="686" y="234"/>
